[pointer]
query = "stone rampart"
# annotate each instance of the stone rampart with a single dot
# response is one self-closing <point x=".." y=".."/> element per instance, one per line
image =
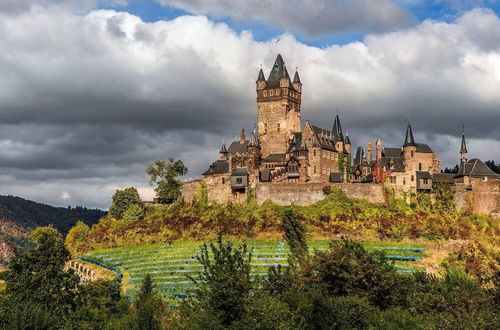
<point x="308" y="193"/>
<point x="188" y="190"/>
<point x="482" y="196"/>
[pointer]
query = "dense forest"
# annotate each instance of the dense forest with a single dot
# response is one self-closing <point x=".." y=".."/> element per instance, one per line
<point x="18" y="216"/>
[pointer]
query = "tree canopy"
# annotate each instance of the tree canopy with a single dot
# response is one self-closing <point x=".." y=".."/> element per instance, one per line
<point x="164" y="175"/>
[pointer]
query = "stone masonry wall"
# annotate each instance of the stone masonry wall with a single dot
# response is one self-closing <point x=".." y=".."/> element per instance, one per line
<point x="188" y="190"/>
<point x="307" y="193"/>
<point x="484" y="196"/>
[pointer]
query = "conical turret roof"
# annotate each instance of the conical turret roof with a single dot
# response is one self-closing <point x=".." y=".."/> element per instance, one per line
<point x="409" y="140"/>
<point x="463" y="148"/>
<point x="261" y="76"/>
<point x="296" y="78"/>
<point x="277" y="72"/>
<point x="223" y="149"/>
<point x="337" y="134"/>
<point x="347" y="140"/>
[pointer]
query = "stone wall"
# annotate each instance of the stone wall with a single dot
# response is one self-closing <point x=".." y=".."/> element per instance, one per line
<point x="188" y="190"/>
<point x="484" y="197"/>
<point x="307" y="193"/>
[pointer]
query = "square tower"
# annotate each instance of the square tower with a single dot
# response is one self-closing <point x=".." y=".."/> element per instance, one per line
<point x="278" y="108"/>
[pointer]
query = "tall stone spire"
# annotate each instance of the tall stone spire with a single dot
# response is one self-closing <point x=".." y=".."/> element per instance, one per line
<point x="409" y="140"/>
<point x="463" y="148"/>
<point x="337" y="130"/>
<point x="261" y="76"/>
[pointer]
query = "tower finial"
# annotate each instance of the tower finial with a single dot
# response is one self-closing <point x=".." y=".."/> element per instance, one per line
<point x="463" y="147"/>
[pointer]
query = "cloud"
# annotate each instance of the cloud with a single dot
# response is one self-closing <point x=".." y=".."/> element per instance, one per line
<point x="88" y="101"/>
<point x="306" y="17"/>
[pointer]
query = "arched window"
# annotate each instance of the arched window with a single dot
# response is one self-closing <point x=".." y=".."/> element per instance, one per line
<point x="412" y="153"/>
<point x="314" y="169"/>
<point x="314" y="153"/>
<point x="223" y="180"/>
<point x="278" y="127"/>
<point x="265" y="127"/>
<point x="412" y="178"/>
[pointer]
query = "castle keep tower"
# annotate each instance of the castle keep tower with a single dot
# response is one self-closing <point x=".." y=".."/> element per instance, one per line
<point x="278" y="108"/>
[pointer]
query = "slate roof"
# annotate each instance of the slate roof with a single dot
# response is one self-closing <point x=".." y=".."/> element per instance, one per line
<point x="240" y="171"/>
<point x="360" y="159"/>
<point x="238" y="147"/>
<point x="423" y="148"/>
<point x="265" y="175"/>
<point x="274" y="158"/>
<point x="218" y="167"/>
<point x="475" y="168"/>
<point x="261" y="76"/>
<point x="367" y="178"/>
<point x="336" y="177"/>
<point x="296" y="78"/>
<point x="423" y="175"/>
<point x="443" y="178"/>
<point x="277" y="72"/>
<point x="337" y="130"/>
<point x="347" y="140"/>
<point x="397" y="161"/>
<point x="463" y="148"/>
<point x="409" y="140"/>
<point x="323" y="138"/>
<point x="392" y="152"/>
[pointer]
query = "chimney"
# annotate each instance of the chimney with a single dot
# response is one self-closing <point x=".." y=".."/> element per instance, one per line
<point x="242" y="135"/>
<point x="370" y="152"/>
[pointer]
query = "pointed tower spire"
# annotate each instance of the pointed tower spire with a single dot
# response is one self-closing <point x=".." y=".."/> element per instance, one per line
<point x="337" y="130"/>
<point x="276" y="73"/>
<point x="261" y="76"/>
<point x="409" y="140"/>
<point x="463" y="148"/>
<point x="347" y="140"/>
<point x="296" y="78"/>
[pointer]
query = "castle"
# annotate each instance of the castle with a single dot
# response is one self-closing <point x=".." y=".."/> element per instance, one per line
<point x="282" y="157"/>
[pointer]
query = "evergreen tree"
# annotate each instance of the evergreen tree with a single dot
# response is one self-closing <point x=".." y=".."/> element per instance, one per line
<point x="147" y="305"/>
<point x="294" y="235"/>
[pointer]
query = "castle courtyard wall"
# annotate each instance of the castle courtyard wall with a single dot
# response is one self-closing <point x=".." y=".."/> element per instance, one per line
<point x="484" y="197"/>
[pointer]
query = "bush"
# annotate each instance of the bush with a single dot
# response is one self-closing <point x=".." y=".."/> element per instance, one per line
<point x="133" y="213"/>
<point x="122" y="200"/>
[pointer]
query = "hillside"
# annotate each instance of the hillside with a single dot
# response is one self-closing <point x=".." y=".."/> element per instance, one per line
<point x="18" y="216"/>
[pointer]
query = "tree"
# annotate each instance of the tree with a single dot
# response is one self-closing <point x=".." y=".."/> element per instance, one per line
<point x="224" y="284"/>
<point x="77" y="236"/>
<point x="294" y="235"/>
<point x="147" y="305"/>
<point x="164" y="174"/>
<point x="122" y="200"/>
<point x="133" y="213"/>
<point x="37" y="277"/>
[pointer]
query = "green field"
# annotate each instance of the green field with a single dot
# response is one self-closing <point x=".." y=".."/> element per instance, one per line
<point x="169" y="265"/>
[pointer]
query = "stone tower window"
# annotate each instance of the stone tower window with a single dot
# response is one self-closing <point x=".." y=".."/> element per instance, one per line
<point x="404" y="182"/>
<point x="412" y="178"/>
<point x="420" y="166"/>
<point x="314" y="153"/>
<point x="412" y="153"/>
<point x="314" y="167"/>
<point x="223" y="180"/>
<point x="265" y="127"/>
<point x="271" y="92"/>
<point x="265" y="93"/>
<point x="278" y="127"/>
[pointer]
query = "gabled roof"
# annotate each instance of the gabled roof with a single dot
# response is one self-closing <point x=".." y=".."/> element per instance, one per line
<point x="240" y="171"/>
<point x="218" y="167"/>
<point x="323" y="138"/>
<point x="398" y="164"/>
<point x="296" y="142"/>
<point x="238" y="147"/>
<point x="409" y="140"/>
<point x="475" y="168"/>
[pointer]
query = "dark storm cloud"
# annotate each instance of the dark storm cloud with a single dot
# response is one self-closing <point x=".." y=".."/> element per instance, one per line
<point x="87" y="102"/>
<point x="305" y="16"/>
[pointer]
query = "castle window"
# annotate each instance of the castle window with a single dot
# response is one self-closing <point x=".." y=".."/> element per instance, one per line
<point x="278" y="127"/>
<point x="271" y="92"/>
<point x="412" y="153"/>
<point x="265" y="127"/>
<point x="239" y="180"/>
<point x="314" y="153"/>
<point x="393" y="179"/>
<point x="420" y="166"/>
<point x="265" y="93"/>
<point x="314" y="167"/>
<point x="404" y="182"/>
<point x="412" y="178"/>
<point x="223" y="180"/>
<point x="426" y="181"/>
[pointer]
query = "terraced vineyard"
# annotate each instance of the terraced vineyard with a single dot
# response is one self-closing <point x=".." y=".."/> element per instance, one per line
<point x="170" y="264"/>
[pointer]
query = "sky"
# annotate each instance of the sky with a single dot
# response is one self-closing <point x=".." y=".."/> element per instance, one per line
<point x="92" y="92"/>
